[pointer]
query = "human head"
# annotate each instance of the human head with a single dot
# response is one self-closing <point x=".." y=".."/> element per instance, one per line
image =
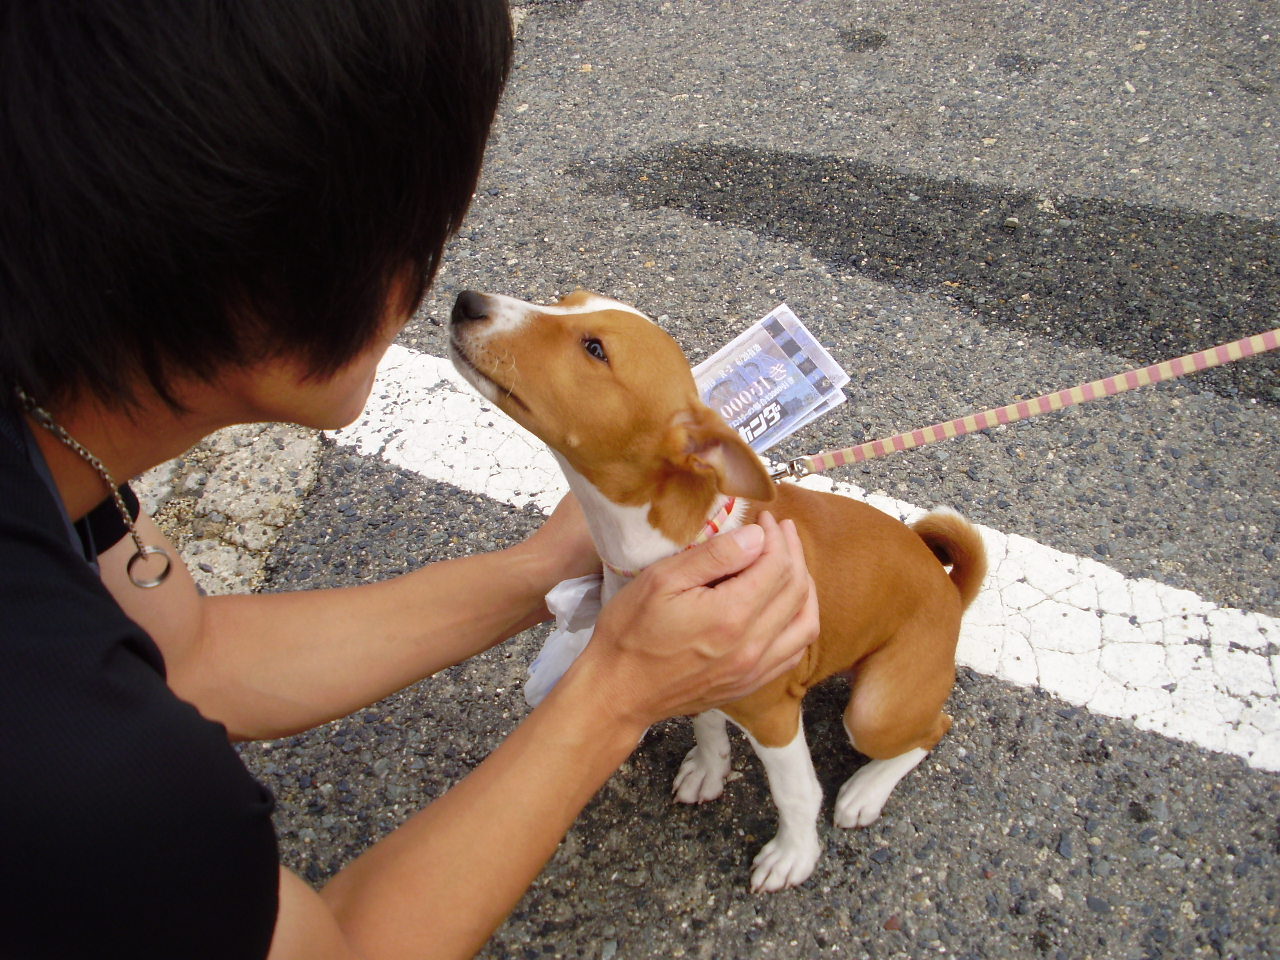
<point x="191" y="184"/>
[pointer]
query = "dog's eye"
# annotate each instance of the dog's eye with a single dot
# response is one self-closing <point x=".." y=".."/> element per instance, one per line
<point x="596" y="349"/>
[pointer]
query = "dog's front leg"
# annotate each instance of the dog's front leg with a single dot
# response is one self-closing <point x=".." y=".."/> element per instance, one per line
<point x="789" y="858"/>
<point x="702" y="775"/>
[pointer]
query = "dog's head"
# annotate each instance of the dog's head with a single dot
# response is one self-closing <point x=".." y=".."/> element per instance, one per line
<point x="611" y="392"/>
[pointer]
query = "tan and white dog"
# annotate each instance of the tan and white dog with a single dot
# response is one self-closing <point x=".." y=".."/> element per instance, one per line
<point x="612" y="395"/>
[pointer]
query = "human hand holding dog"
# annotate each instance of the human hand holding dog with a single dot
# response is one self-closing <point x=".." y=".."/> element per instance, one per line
<point x="706" y="626"/>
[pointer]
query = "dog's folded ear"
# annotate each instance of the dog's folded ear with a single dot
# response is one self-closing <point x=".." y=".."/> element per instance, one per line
<point x="702" y="443"/>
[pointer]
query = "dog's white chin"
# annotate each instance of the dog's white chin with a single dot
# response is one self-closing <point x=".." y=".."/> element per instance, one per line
<point x="462" y="363"/>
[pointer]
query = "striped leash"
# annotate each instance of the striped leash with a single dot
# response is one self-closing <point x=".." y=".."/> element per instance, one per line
<point x="1058" y="400"/>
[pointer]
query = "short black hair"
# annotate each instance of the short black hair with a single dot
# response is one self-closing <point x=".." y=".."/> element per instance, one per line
<point x="188" y="182"/>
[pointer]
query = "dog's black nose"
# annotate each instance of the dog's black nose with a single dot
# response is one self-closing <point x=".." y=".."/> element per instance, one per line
<point x="469" y="306"/>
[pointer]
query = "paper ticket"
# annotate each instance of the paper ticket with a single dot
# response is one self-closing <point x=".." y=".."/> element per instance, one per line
<point x="771" y="380"/>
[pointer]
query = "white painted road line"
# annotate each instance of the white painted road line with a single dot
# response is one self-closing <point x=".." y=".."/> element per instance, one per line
<point x="1165" y="659"/>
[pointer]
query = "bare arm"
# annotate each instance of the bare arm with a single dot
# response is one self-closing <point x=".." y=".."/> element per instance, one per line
<point x="440" y="884"/>
<point x="267" y="665"/>
<point x="666" y="645"/>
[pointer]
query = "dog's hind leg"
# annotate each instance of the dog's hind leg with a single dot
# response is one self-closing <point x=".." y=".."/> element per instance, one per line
<point x="702" y="775"/>
<point x="863" y="795"/>
<point x="894" y="717"/>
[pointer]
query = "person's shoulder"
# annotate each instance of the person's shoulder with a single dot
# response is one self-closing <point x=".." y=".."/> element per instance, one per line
<point x="27" y="508"/>
<point x="116" y="791"/>
<point x="47" y="590"/>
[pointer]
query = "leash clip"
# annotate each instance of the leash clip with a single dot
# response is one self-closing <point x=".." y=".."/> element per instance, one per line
<point x="791" y="470"/>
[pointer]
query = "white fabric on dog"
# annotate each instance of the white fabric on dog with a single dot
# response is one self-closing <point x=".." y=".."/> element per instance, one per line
<point x="576" y="605"/>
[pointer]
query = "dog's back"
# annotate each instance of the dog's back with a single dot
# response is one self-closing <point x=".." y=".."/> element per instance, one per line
<point x="874" y="574"/>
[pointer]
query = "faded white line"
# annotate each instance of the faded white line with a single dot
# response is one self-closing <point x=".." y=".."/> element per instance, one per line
<point x="1165" y="659"/>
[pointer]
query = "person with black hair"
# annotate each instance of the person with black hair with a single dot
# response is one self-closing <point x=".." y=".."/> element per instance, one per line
<point x="224" y="211"/>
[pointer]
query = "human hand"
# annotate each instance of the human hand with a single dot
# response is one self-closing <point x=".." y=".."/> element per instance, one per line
<point x="706" y="626"/>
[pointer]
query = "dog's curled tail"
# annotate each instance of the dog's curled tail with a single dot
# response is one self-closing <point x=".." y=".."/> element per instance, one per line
<point x="958" y="545"/>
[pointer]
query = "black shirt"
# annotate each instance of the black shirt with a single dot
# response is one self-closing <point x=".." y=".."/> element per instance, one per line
<point x="128" y="824"/>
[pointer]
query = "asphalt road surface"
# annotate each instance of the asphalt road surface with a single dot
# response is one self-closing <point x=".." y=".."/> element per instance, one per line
<point x="968" y="203"/>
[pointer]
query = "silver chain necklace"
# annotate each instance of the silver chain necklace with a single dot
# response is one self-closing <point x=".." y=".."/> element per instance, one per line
<point x="144" y="552"/>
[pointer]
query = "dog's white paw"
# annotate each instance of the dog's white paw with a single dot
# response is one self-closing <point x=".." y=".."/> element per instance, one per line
<point x="785" y="861"/>
<point x="863" y="795"/>
<point x="701" y="776"/>
<point x="860" y="802"/>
